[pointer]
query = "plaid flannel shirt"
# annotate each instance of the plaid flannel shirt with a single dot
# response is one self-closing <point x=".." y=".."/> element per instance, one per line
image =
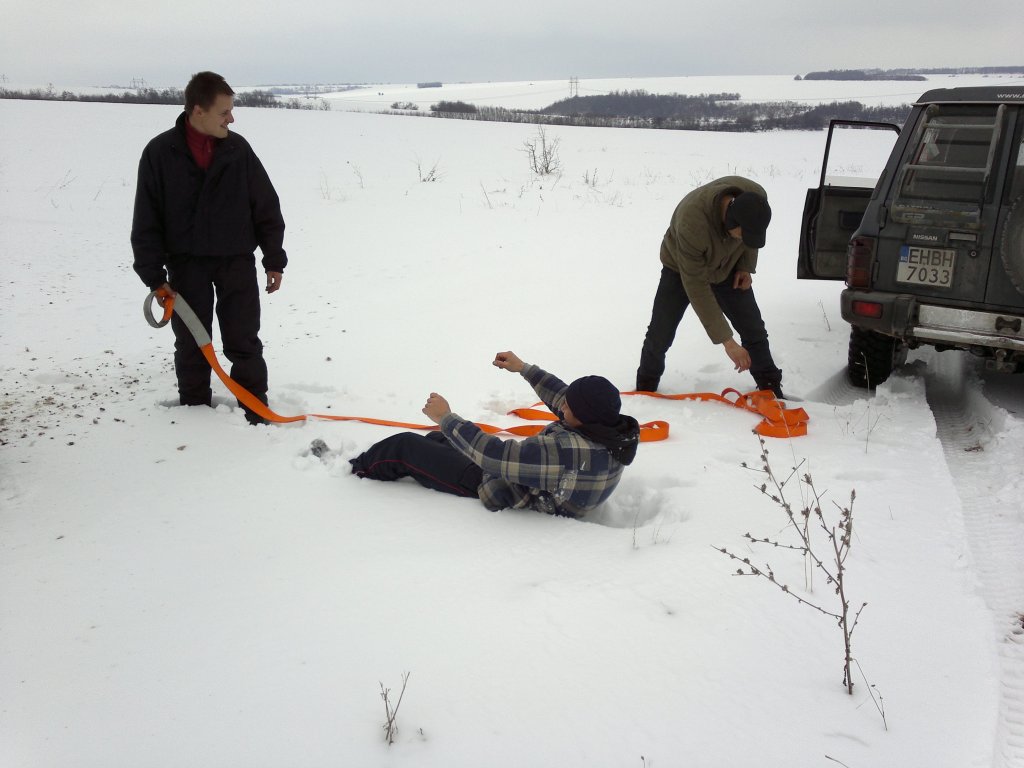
<point x="557" y="471"/>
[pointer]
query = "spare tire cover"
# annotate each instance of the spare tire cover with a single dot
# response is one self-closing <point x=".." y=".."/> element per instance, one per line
<point x="1011" y="247"/>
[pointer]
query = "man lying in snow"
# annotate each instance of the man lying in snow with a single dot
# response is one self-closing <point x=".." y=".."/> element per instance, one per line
<point x="570" y="467"/>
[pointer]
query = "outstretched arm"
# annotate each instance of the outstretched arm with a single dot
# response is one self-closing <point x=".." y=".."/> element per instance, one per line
<point x="548" y="387"/>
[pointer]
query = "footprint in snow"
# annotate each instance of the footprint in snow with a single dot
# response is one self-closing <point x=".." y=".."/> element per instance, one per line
<point x="637" y="503"/>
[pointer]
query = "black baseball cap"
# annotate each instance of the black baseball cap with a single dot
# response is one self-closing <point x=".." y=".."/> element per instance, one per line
<point x="751" y="212"/>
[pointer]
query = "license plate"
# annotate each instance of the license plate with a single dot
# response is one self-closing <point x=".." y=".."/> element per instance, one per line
<point x="926" y="266"/>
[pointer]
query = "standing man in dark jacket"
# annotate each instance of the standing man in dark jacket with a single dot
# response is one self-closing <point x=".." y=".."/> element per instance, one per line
<point x="567" y="469"/>
<point x="202" y="206"/>
<point x="708" y="256"/>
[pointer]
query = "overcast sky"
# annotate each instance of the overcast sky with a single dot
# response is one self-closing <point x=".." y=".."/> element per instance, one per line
<point x="106" y="42"/>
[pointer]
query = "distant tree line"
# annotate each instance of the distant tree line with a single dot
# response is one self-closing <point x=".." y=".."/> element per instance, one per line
<point x="140" y="96"/>
<point x="453" y="107"/>
<point x="860" y="74"/>
<point x="258" y="98"/>
<point x="639" y="103"/>
<point x="965" y="71"/>
<point x="705" y="112"/>
<point x="907" y="74"/>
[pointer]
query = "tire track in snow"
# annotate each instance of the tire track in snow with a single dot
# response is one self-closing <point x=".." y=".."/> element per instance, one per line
<point x="836" y="390"/>
<point x="981" y="469"/>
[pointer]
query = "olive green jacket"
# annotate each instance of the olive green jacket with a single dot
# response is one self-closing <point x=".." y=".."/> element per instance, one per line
<point x="697" y="246"/>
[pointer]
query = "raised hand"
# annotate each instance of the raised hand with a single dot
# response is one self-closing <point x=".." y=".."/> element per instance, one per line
<point x="508" y="361"/>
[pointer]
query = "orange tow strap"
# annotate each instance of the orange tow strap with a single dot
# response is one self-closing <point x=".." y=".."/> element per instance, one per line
<point x="777" y="420"/>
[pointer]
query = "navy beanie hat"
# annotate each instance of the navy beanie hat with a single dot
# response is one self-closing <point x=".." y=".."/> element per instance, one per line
<point x="594" y="400"/>
<point x="751" y="212"/>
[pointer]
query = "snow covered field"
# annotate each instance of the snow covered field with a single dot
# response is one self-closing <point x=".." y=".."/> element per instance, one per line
<point x="178" y="588"/>
<point x="760" y="88"/>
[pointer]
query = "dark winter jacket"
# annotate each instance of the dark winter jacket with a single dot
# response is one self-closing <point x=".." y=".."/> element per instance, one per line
<point x="181" y="210"/>
<point x="697" y="246"/>
<point x="560" y="471"/>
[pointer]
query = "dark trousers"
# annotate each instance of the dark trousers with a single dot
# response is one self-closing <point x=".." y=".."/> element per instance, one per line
<point x="429" y="459"/>
<point x="740" y="307"/>
<point x="237" y="289"/>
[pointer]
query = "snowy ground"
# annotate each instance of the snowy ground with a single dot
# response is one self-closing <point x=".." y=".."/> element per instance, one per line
<point x="178" y="588"/>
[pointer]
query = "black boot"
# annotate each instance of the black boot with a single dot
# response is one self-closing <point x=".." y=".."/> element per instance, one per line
<point x="771" y="386"/>
<point x="647" y="383"/>
<point x="358" y="465"/>
<point x="254" y="418"/>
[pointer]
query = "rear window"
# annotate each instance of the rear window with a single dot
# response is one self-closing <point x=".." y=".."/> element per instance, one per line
<point x="952" y="154"/>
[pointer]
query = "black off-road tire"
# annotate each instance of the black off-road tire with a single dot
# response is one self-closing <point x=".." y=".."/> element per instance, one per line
<point x="1011" y="245"/>
<point x="872" y="357"/>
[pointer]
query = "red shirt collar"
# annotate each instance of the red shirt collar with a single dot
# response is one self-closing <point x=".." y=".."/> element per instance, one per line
<point x="200" y="145"/>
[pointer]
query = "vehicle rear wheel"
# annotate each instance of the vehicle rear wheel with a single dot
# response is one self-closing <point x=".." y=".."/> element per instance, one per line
<point x="872" y="357"/>
<point x="1011" y="246"/>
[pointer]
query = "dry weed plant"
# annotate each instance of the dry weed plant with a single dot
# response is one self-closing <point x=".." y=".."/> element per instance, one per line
<point x="813" y="530"/>
<point x="391" y="724"/>
<point x="542" y="153"/>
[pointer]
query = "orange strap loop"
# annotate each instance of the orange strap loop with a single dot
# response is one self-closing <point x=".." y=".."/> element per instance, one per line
<point x="777" y="420"/>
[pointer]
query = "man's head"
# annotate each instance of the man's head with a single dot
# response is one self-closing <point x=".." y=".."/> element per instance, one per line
<point x="751" y="213"/>
<point x="592" y="400"/>
<point x="208" y="104"/>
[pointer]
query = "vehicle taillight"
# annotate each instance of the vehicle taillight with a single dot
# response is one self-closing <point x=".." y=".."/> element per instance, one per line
<point x="867" y="309"/>
<point x="860" y="255"/>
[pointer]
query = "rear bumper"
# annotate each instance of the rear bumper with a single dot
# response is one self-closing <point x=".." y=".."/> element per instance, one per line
<point x="908" y="318"/>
